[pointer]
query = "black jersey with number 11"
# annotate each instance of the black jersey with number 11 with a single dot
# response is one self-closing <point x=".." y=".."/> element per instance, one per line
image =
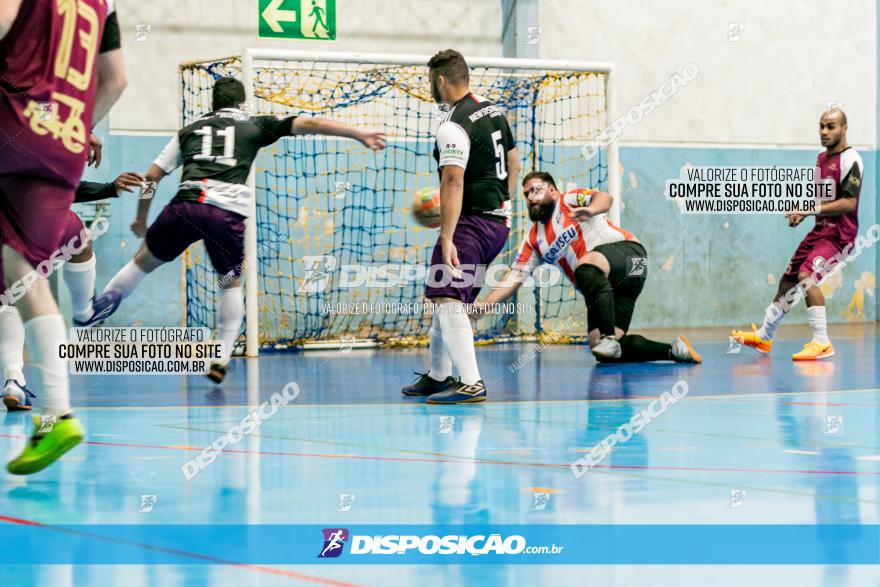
<point x="217" y="152"/>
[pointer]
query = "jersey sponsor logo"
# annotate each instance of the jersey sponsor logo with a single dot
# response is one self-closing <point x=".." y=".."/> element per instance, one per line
<point x="559" y="245"/>
<point x="452" y="150"/>
<point x="490" y="111"/>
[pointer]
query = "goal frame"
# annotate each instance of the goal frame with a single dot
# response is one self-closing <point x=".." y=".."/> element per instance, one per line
<point x="249" y="56"/>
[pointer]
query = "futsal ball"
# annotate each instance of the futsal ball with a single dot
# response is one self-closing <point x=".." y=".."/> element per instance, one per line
<point x="426" y="207"/>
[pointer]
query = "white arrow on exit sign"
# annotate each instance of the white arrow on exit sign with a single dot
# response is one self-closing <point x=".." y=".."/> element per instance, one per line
<point x="274" y="16"/>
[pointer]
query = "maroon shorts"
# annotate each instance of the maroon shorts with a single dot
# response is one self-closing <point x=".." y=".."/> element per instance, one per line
<point x="71" y="237"/>
<point x="73" y="229"/>
<point x="478" y="241"/>
<point x="34" y="214"/>
<point x="811" y="255"/>
<point x="181" y="224"/>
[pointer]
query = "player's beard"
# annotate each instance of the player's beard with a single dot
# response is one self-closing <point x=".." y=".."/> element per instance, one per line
<point x="540" y="212"/>
<point x="832" y="144"/>
<point x="435" y="91"/>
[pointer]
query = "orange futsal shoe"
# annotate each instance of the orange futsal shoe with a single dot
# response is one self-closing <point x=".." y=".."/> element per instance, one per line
<point x="752" y="339"/>
<point x="813" y="351"/>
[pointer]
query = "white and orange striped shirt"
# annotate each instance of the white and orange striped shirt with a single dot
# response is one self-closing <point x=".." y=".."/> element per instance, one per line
<point x="562" y="240"/>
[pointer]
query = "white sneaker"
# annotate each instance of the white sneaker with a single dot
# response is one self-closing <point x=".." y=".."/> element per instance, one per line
<point x="608" y="348"/>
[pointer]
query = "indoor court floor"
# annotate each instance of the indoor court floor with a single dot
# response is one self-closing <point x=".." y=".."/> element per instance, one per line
<point x="756" y="440"/>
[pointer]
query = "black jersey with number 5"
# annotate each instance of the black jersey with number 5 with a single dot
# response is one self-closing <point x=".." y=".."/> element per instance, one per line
<point x="217" y="152"/>
<point x="475" y="135"/>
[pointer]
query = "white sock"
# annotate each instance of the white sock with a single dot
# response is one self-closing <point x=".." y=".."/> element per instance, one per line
<point x="127" y="280"/>
<point x="11" y="344"/>
<point x="44" y="335"/>
<point x="818" y="324"/>
<point x="458" y="338"/>
<point x="80" y="281"/>
<point x="230" y="313"/>
<point x="441" y="365"/>
<point x="773" y="316"/>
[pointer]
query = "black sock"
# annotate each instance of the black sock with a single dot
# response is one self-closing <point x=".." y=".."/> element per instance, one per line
<point x="635" y="348"/>
<point x="599" y="298"/>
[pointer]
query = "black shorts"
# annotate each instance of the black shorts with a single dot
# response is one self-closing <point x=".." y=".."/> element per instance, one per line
<point x="629" y="269"/>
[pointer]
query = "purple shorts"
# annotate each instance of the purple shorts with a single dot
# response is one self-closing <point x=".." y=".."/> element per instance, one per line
<point x="181" y="224"/>
<point x="478" y="241"/>
<point x="811" y="255"/>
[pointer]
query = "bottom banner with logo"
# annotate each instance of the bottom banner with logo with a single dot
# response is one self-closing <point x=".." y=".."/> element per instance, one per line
<point x="427" y="544"/>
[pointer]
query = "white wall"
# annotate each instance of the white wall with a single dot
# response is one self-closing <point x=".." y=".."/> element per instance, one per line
<point x="186" y="30"/>
<point x="769" y="88"/>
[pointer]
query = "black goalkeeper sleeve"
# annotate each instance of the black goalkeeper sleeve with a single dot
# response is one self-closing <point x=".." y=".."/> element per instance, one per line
<point x="92" y="191"/>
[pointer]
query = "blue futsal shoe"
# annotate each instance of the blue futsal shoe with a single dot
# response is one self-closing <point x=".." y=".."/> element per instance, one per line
<point x="17" y="397"/>
<point x="103" y="307"/>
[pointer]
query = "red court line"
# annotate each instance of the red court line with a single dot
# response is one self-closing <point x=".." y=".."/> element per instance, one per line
<point x="259" y="568"/>
<point x="454" y="459"/>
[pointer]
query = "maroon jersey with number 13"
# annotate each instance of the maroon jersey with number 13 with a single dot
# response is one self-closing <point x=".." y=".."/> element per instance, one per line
<point x="47" y="87"/>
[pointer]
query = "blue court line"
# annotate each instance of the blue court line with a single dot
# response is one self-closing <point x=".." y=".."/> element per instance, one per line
<point x="660" y="544"/>
<point x="81" y="539"/>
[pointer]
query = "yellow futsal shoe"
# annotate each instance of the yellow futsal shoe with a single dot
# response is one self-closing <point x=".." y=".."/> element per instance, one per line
<point x="752" y="339"/>
<point x="813" y="351"/>
<point x="51" y="439"/>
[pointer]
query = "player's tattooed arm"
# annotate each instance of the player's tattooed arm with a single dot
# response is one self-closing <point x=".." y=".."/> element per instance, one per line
<point x="451" y="195"/>
<point x="372" y="139"/>
<point x="8" y="12"/>
<point x="514" y="169"/>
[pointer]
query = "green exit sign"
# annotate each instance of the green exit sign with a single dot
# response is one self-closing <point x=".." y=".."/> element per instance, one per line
<point x="297" y="19"/>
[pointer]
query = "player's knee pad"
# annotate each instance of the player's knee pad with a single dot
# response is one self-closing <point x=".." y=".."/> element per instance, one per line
<point x="597" y="292"/>
<point x="592" y="283"/>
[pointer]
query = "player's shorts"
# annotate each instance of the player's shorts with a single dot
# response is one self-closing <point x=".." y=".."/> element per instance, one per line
<point x="34" y="214"/>
<point x="478" y="241"/>
<point x="811" y="255"/>
<point x="73" y="232"/>
<point x="628" y="261"/>
<point x="181" y="224"/>
<point x="71" y="237"/>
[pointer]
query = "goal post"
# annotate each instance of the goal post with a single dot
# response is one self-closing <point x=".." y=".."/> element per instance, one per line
<point x="317" y="197"/>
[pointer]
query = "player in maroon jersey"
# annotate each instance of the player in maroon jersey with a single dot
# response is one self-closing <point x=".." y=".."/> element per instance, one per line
<point x="60" y="71"/>
<point x="78" y="272"/>
<point x="829" y="242"/>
